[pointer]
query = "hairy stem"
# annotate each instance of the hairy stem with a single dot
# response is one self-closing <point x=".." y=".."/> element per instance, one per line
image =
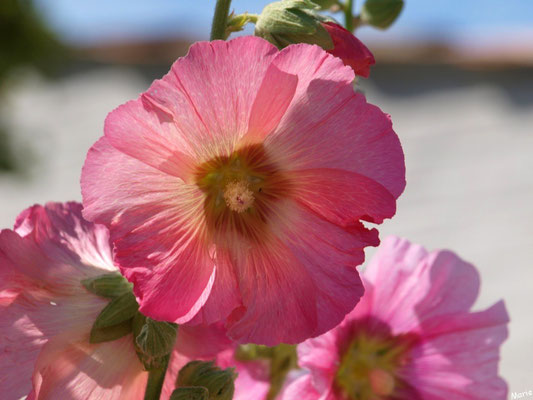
<point x="218" y="29"/>
<point x="156" y="377"/>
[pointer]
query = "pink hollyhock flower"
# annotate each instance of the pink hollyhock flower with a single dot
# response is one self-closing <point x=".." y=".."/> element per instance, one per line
<point x="235" y="187"/>
<point x="412" y="337"/>
<point x="46" y="315"/>
<point x="349" y="49"/>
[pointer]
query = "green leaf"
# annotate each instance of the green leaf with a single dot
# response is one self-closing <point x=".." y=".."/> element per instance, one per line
<point x="117" y="311"/>
<point x="110" y="333"/>
<point x="108" y="285"/>
<point x="190" y="393"/>
<point x="381" y="13"/>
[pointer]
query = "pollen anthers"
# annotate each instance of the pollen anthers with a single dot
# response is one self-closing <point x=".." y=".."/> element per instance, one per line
<point x="238" y="196"/>
<point x="369" y="367"/>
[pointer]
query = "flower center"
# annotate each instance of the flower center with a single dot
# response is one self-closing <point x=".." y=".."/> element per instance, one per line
<point x="369" y="368"/>
<point x="238" y="196"/>
<point x="240" y="192"/>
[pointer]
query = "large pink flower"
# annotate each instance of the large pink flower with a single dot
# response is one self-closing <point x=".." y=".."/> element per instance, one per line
<point x="412" y="337"/>
<point x="46" y="316"/>
<point x="235" y="187"/>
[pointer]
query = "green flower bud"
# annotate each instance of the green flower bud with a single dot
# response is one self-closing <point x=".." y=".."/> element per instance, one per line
<point x="293" y="21"/>
<point x="190" y="393"/>
<point x="381" y="13"/>
<point x="154" y="341"/>
<point x="218" y="382"/>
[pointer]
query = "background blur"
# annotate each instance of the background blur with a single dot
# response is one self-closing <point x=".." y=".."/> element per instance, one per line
<point x="456" y="76"/>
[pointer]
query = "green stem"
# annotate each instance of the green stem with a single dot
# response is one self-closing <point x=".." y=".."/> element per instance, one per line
<point x="218" y="29"/>
<point x="156" y="377"/>
<point x="348" y="15"/>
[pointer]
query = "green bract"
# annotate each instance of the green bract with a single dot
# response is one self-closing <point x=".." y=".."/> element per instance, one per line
<point x="219" y="383"/>
<point x="115" y="320"/>
<point x="293" y="21"/>
<point x="153" y="340"/>
<point x="108" y="285"/>
<point x="381" y="13"/>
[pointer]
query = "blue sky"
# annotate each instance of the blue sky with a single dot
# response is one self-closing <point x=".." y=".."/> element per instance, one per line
<point x="89" y="21"/>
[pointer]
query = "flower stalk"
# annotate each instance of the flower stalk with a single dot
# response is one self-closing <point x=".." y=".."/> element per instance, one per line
<point x="348" y="15"/>
<point x="156" y="377"/>
<point x="218" y="28"/>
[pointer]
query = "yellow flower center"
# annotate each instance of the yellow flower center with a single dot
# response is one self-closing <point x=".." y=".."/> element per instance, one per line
<point x="240" y="191"/>
<point x="369" y="367"/>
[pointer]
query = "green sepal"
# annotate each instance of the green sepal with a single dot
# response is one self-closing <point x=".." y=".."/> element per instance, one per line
<point x="153" y="340"/>
<point x="190" y="393"/>
<point x="219" y="383"/>
<point x="118" y="310"/>
<point x="110" y="333"/>
<point x="381" y="13"/>
<point x="108" y="285"/>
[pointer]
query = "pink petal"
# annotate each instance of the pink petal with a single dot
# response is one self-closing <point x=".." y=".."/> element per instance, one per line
<point x="151" y="218"/>
<point x="79" y="371"/>
<point x="320" y="355"/>
<point x="327" y="125"/>
<point x="274" y="96"/>
<point x="202" y="341"/>
<point x="313" y="273"/>
<point x="253" y="379"/>
<point x="209" y="94"/>
<point x="142" y="131"/>
<point x="459" y="356"/>
<point x="349" y="49"/>
<point x="343" y="197"/>
<point x="301" y="388"/>
<point x="224" y="296"/>
<point x="444" y="284"/>
<point x="60" y="228"/>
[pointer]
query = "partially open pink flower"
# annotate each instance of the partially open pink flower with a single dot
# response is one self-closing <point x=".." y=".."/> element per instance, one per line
<point x="349" y="49"/>
<point x="46" y="315"/>
<point x="235" y="188"/>
<point x="412" y="337"/>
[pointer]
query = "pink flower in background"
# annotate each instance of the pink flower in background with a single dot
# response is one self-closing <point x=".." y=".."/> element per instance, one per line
<point x="46" y="315"/>
<point x="235" y="187"/>
<point x="349" y="49"/>
<point x="412" y="337"/>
